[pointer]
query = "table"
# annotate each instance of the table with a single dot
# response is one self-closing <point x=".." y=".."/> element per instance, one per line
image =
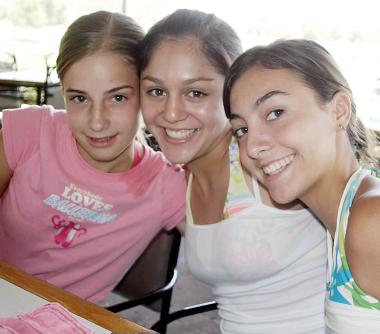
<point x="76" y="305"/>
<point x="32" y="79"/>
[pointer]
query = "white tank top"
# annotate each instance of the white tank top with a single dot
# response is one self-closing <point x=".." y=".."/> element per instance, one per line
<point x="267" y="268"/>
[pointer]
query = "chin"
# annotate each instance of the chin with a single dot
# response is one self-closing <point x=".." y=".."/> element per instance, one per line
<point x="177" y="160"/>
<point x="281" y="198"/>
<point x="174" y="156"/>
<point x="171" y="157"/>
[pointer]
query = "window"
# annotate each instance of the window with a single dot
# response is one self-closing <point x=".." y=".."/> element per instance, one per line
<point x="349" y="30"/>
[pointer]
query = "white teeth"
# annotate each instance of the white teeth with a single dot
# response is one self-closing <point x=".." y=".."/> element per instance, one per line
<point x="180" y="134"/>
<point x="278" y="166"/>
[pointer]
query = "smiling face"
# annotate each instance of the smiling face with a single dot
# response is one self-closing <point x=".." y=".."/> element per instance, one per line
<point x="287" y="137"/>
<point x="181" y="101"/>
<point x="101" y="94"/>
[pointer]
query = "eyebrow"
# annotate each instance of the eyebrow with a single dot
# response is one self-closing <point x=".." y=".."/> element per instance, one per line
<point x="267" y="96"/>
<point x="112" y="90"/>
<point x="261" y="100"/>
<point x="188" y="81"/>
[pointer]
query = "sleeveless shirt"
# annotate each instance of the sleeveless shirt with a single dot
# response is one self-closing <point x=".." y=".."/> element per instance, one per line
<point x="267" y="267"/>
<point x="349" y="310"/>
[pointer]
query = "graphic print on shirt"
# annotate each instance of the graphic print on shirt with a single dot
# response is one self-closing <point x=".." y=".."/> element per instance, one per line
<point x="66" y="231"/>
<point x="76" y="207"/>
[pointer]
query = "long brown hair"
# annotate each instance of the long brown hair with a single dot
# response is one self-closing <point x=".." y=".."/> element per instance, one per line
<point x="318" y="70"/>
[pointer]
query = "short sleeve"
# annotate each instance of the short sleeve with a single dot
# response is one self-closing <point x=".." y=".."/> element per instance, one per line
<point x="21" y="133"/>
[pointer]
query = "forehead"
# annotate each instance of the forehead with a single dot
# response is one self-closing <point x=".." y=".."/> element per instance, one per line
<point x="177" y="56"/>
<point x="258" y="81"/>
<point x="264" y="78"/>
<point x="103" y="66"/>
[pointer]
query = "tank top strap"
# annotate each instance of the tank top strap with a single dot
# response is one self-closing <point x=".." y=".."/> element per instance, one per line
<point x="239" y="197"/>
<point x="347" y="200"/>
<point x="342" y="217"/>
<point x="189" y="213"/>
<point x="256" y="190"/>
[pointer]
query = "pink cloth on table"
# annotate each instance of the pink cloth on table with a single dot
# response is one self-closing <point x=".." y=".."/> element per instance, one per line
<point x="51" y="318"/>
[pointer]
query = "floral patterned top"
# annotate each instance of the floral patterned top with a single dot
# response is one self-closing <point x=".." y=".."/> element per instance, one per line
<point x="342" y="287"/>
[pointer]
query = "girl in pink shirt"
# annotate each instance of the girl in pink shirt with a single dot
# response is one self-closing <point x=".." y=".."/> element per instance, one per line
<point x="80" y="197"/>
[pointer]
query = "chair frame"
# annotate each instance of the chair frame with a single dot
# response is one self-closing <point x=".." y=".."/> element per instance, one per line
<point x="164" y="292"/>
<point x="161" y="325"/>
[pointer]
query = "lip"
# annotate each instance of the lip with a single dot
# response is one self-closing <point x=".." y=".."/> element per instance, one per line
<point x="101" y="142"/>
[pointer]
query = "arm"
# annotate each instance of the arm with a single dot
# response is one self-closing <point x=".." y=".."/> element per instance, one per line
<point x="182" y="227"/>
<point x="363" y="238"/>
<point x="5" y="171"/>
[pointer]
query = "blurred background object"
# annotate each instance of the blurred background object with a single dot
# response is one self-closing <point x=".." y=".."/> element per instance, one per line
<point x="349" y="30"/>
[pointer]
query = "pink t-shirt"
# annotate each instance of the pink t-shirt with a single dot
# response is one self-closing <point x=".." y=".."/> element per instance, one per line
<point x="70" y="224"/>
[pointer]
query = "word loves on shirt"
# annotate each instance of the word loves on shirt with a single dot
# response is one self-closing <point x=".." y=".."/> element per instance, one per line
<point x="81" y="205"/>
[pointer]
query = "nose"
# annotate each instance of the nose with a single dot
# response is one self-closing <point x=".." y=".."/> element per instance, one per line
<point x="174" y="110"/>
<point x="258" y="143"/>
<point x="98" y="117"/>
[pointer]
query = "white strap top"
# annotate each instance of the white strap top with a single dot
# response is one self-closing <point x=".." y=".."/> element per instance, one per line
<point x="267" y="268"/>
<point x="349" y="310"/>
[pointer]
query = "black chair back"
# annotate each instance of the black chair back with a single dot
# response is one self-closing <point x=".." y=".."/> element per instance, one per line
<point x="151" y="279"/>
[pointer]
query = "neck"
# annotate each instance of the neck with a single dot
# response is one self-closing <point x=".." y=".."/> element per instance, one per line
<point x="120" y="164"/>
<point x="207" y="168"/>
<point x="324" y="197"/>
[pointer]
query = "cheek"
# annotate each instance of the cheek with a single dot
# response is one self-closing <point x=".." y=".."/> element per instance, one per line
<point x="149" y="110"/>
<point x="212" y="113"/>
<point x="248" y="163"/>
<point x="134" y="109"/>
<point x="220" y="113"/>
<point x="245" y="160"/>
<point x="127" y="111"/>
<point x="73" y="109"/>
<point x="75" y="119"/>
<point x="289" y="134"/>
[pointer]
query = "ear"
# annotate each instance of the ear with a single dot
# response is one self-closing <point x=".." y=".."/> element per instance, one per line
<point x="341" y="103"/>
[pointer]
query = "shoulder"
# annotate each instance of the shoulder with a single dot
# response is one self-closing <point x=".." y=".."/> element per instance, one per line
<point x="363" y="236"/>
<point x="365" y="213"/>
<point x="33" y="114"/>
<point x="22" y="114"/>
<point x="363" y="231"/>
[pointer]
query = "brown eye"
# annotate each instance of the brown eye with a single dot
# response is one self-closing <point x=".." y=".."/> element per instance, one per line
<point x="119" y="98"/>
<point x="196" y="93"/>
<point x="238" y="133"/>
<point x="156" y="92"/>
<point x="78" y="99"/>
<point x="274" y="114"/>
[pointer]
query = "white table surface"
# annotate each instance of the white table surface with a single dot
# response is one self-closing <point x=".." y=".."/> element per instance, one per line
<point x="15" y="301"/>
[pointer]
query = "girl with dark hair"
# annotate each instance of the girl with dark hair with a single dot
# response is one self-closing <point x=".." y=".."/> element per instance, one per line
<point x="266" y="265"/>
<point x="295" y="119"/>
<point x="81" y="198"/>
